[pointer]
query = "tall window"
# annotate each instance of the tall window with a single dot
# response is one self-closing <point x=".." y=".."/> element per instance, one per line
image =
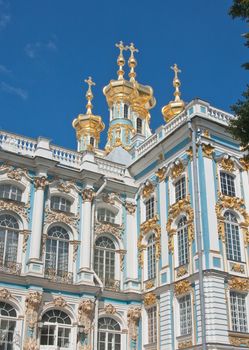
<point x="151" y="256"/>
<point x="139" y="126"/>
<point x="60" y="203"/>
<point x="92" y="141"/>
<point x="185" y="315"/>
<point x="152" y="324"/>
<point x="150" y="208"/>
<point x="232" y="237"/>
<point x="57" y="249"/>
<point x="7" y="326"/>
<point x="227" y="184"/>
<point x="126" y="111"/>
<point x="109" y="334"/>
<point x="182" y="235"/>
<point x="104" y="260"/>
<point x="56" y="330"/>
<point x="10" y="192"/>
<point x="180" y="189"/>
<point x="238" y="312"/>
<point x="106" y="215"/>
<point x="9" y="229"/>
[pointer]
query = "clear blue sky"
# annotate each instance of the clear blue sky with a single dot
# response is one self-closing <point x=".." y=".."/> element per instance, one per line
<point x="49" y="47"/>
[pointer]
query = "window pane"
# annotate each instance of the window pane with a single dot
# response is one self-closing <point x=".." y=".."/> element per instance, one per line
<point x="180" y="189"/>
<point x="238" y="312"/>
<point x="185" y="315"/>
<point x="150" y="208"/>
<point x="227" y="184"/>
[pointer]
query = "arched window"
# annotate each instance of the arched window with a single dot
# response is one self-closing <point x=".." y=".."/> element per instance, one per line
<point x="182" y="235"/>
<point x="9" y="229"/>
<point x="151" y="257"/>
<point x="7" y="326"/>
<point x="126" y="108"/>
<point x="57" y="250"/>
<point x="92" y="141"/>
<point x="10" y="192"/>
<point x="56" y="330"/>
<point x="109" y="334"/>
<point x="106" y="215"/>
<point x="104" y="261"/>
<point x="232" y="237"/>
<point x="139" y="126"/>
<point x="60" y="203"/>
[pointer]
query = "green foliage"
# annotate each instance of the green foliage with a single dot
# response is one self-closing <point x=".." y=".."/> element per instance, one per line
<point x="239" y="127"/>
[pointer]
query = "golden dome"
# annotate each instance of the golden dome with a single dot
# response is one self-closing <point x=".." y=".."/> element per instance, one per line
<point x="177" y="106"/>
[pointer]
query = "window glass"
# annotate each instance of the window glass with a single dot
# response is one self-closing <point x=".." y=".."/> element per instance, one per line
<point x="7" y="326"/>
<point x="139" y="126"/>
<point x="232" y="237"/>
<point x="10" y="192"/>
<point x="185" y="315"/>
<point x="180" y="189"/>
<point x="109" y="334"/>
<point x="126" y="108"/>
<point x="150" y="208"/>
<point x="60" y="203"/>
<point x="227" y="184"/>
<point x="106" y="215"/>
<point x="183" y="246"/>
<point x="151" y="255"/>
<point x="238" y="312"/>
<point x="9" y="229"/>
<point x="152" y="325"/>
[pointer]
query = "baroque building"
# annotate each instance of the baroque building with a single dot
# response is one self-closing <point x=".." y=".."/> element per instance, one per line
<point x="141" y="246"/>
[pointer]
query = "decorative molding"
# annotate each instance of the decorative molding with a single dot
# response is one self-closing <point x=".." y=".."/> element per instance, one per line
<point x="147" y="189"/>
<point x="32" y="302"/>
<point x="14" y="173"/>
<point x="122" y="253"/>
<point x="182" y="287"/>
<point x="25" y="234"/>
<point x="161" y="173"/>
<point x="130" y="207"/>
<point x="110" y="309"/>
<point x="85" y="314"/>
<point x="150" y="225"/>
<point x="149" y="284"/>
<point x="30" y="344"/>
<point x="53" y="216"/>
<point x="239" y="340"/>
<point x="180" y="207"/>
<point x="207" y="150"/>
<point x="244" y="162"/>
<point x="133" y="317"/>
<point x="227" y="164"/>
<point x="40" y="183"/>
<point x="5" y="294"/>
<point x="16" y="207"/>
<point x="185" y="344"/>
<point x="239" y="284"/>
<point x="65" y="186"/>
<point x="108" y="228"/>
<point x="177" y="169"/>
<point x="109" y="198"/>
<point x="236" y="267"/>
<point x="149" y="299"/>
<point x="189" y="152"/>
<point x="88" y="195"/>
<point x="181" y="271"/>
<point x="206" y="133"/>
<point x="75" y="245"/>
<point x="59" y="301"/>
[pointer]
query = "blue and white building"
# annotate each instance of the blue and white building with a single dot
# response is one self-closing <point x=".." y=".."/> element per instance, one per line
<point x="141" y="246"/>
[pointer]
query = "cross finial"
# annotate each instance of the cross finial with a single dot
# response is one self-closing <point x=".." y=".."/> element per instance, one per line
<point x="132" y="62"/>
<point x="176" y="82"/>
<point x="89" y="95"/>
<point x="121" y="60"/>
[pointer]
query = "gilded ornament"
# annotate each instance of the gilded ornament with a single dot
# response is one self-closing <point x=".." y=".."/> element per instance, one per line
<point x="182" y="287"/>
<point x="227" y="164"/>
<point x="130" y="207"/>
<point x="85" y="314"/>
<point x="161" y="174"/>
<point x="88" y="195"/>
<point x="206" y="133"/>
<point x="109" y="198"/>
<point x="4" y="294"/>
<point x="244" y="163"/>
<point x="238" y="268"/>
<point x="15" y="174"/>
<point x="16" y="207"/>
<point x="53" y="216"/>
<point x="177" y="169"/>
<point x="65" y="186"/>
<point x="147" y="189"/>
<point x="239" y="341"/>
<point x="40" y="182"/>
<point x="59" y="301"/>
<point x="185" y="344"/>
<point x="239" y="284"/>
<point x="32" y="302"/>
<point x="149" y="284"/>
<point x="133" y="317"/>
<point x="122" y="253"/>
<point x="149" y="299"/>
<point x="189" y="152"/>
<point x="207" y="150"/>
<point x="110" y="309"/>
<point x="107" y="227"/>
<point x="181" y="271"/>
<point x="25" y="234"/>
<point x="75" y="249"/>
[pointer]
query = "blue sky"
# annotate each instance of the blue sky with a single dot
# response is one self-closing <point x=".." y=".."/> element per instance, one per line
<point x="49" y="47"/>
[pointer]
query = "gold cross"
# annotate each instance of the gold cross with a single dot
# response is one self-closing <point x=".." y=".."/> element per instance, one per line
<point x="121" y="47"/>
<point x="89" y="82"/>
<point x="176" y="70"/>
<point x="132" y="49"/>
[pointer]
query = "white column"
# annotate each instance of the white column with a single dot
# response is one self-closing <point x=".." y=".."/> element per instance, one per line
<point x="36" y="233"/>
<point x="85" y="244"/>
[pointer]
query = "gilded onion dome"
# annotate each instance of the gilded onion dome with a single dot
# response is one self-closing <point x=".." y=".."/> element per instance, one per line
<point x="88" y="126"/>
<point x="177" y="106"/>
<point x="128" y="101"/>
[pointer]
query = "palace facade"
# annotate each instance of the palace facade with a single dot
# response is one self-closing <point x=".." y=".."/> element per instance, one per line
<point x="143" y="245"/>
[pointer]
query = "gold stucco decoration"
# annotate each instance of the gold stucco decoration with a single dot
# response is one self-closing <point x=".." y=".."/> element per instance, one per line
<point x="16" y="207"/>
<point x="239" y="284"/>
<point x="182" y="287"/>
<point x="236" y="267"/>
<point x="227" y="164"/>
<point x="110" y="309"/>
<point x="185" y="344"/>
<point x="161" y="174"/>
<point x="207" y="150"/>
<point x="244" y="163"/>
<point x="33" y="302"/>
<point x="177" y="169"/>
<point x="149" y="299"/>
<point x="53" y="216"/>
<point x="4" y="294"/>
<point x="238" y="341"/>
<point x="40" y="183"/>
<point x="130" y="207"/>
<point x="59" y="301"/>
<point x="108" y="228"/>
<point x="148" y="226"/>
<point x="147" y="189"/>
<point x="85" y="314"/>
<point x="181" y="271"/>
<point x="30" y="344"/>
<point x="88" y="195"/>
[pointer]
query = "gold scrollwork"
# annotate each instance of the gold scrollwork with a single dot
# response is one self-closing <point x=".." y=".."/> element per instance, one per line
<point x="85" y="314"/>
<point x="207" y="150"/>
<point x="130" y="207"/>
<point x="244" y="163"/>
<point x="181" y="271"/>
<point x="122" y="253"/>
<point x="40" y="182"/>
<point x="59" y="301"/>
<point x="239" y="284"/>
<point x="18" y="208"/>
<point x="227" y="164"/>
<point x="177" y="169"/>
<point x="107" y="227"/>
<point x="110" y="309"/>
<point x="238" y="267"/>
<point x="33" y="302"/>
<point x="5" y="294"/>
<point x="52" y="216"/>
<point x="238" y="341"/>
<point x="182" y="287"/>
<point x="185" y="344"/>
<point x="147" y="189"/>
<point x="161" y="174"/>
<point x="133" y="317"/>
<point x="149" y="299"/>
<point x="88" y="195"/>
<point x="25" y="234"/>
